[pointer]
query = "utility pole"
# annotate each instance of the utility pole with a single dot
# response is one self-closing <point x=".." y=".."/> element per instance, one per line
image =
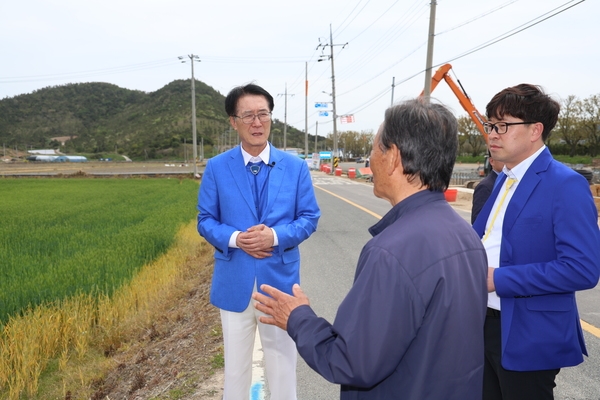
<point x="330" y="44"/>
<point x="285" y="118"/>
<point x="193" y="58"/>
<point x="393" y="86"/>
<point x="316" y="136"/>
<point x="305" y="110"/>
<point x="429" y="62"/>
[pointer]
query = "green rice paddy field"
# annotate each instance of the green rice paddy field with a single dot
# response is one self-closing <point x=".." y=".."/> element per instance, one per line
<point x="59" y="237"/>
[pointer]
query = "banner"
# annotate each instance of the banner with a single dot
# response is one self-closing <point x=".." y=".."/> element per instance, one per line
<point x="347" y="119"/>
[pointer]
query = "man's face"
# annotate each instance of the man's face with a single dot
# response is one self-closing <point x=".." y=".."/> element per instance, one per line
<point x="515" y="145"/>
<point x="253" y="136"/>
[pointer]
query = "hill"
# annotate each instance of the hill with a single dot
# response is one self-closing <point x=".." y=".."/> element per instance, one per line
<point x="100" y="118"/>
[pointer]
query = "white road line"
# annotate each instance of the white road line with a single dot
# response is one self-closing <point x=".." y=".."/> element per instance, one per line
<point x="258" y="372"/>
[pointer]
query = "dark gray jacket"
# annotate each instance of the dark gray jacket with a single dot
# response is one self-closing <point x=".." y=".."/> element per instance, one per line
<point x="411" y="326"/>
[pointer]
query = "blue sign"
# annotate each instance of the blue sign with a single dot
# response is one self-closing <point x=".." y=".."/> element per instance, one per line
<point x="321" y="105"/>
<point x="325" y="155"/>
<point x="323" y="114"/>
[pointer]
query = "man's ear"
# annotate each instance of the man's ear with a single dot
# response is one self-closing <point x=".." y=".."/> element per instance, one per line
<point x="232" y="122"/>
<point x="536" y="131"/>
<point x="394" y="159"/>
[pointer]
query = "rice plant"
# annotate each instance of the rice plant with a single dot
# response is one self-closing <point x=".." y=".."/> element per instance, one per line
<point x="60" y="237"/>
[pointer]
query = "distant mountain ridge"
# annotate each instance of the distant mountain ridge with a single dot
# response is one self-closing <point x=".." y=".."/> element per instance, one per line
<point x="105" y="118"/>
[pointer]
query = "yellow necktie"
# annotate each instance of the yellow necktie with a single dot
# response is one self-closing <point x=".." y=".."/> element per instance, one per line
<point x="509" y="183"/>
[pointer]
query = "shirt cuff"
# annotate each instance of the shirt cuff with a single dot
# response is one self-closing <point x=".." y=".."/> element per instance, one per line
<point x="275" y="240"/>
<point x="233" y="239"/>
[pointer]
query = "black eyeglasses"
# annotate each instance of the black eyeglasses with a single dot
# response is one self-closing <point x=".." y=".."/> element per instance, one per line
<point x="501" y="127"/>
<point x="248" y="119"/>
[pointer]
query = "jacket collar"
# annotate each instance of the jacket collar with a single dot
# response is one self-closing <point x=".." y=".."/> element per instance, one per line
<point x="277" y="167"/>
<point x="406" y="206"/>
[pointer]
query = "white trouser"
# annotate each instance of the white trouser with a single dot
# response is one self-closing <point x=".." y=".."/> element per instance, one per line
<point x="279" y="349"/>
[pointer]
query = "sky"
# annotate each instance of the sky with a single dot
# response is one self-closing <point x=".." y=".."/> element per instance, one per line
<point x="135" y="44"/>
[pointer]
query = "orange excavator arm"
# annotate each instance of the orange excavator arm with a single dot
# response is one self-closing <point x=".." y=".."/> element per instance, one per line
<point x="464" y="100"/>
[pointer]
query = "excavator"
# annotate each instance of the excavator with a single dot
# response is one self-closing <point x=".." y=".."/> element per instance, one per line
<point x="465" y="102"/>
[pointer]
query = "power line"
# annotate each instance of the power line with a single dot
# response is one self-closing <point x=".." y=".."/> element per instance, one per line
<point x="467" y="22"/>
<point x="392" y="34"/>
<point x="377" y="19"/>
<point x="480" y="47"/>
<point x="509" y="34"/>
<point x="341" y="25"/>
<point x="357" y="14"/>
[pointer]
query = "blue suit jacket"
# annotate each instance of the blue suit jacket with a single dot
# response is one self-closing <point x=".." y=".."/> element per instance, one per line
<point x="226" y="205"/>
<point x="550" y="249"/>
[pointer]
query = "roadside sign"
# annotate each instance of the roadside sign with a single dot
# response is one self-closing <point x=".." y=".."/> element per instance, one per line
<point x="323" y="114"/>
<point x="321" y="105"/>
<point x="325" y="155"/>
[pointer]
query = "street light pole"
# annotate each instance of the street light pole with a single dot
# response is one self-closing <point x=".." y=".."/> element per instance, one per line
<point x="285" y="118"/>
<point x="193" y="58"/>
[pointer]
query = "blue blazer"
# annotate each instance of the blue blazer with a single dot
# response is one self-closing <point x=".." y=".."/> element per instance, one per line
<point x="550" y="249"/>
<point x="226" y="205"/>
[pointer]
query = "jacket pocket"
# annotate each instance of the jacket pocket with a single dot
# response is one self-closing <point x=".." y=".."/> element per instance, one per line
<point x="220" y="256"/>
<point x="554" y="302"/>
<point x="291" y="255"/>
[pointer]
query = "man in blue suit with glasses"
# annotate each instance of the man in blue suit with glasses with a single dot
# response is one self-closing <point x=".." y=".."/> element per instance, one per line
<point x="256" y="205"/>
<point x="540" y="231"/>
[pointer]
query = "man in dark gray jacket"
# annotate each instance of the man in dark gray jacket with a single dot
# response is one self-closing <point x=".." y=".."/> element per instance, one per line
<point x="411" y="326"/>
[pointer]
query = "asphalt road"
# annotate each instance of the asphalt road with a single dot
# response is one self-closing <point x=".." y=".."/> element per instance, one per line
<point x="329" y="259"/>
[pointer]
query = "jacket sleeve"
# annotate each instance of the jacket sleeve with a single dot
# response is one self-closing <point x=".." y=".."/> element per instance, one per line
<point x="373" y="328"/>
<point x="570" y="262"/>
<point x="209" y="217"/>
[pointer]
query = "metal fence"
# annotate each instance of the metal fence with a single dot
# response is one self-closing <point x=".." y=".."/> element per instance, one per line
<point x="462" y="178"/>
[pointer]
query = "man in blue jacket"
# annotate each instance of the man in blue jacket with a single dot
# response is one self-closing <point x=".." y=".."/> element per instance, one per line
<point x="540" y="231"/>
<point x="411" y="326"/>
<point x="484" y="188"/>
<point x="256" y="205"/>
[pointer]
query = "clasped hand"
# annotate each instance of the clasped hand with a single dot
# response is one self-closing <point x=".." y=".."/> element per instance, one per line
<point x="257" y="241"/>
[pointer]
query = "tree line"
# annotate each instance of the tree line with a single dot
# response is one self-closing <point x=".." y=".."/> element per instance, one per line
<point x="577" y="132"/>
<point x="99" y="118"/>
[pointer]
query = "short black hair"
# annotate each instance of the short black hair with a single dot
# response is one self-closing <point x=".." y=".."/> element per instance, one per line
<point x="234" y="95"/>
<point x="426" y="135"/>
<point x="527" y="102"/>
